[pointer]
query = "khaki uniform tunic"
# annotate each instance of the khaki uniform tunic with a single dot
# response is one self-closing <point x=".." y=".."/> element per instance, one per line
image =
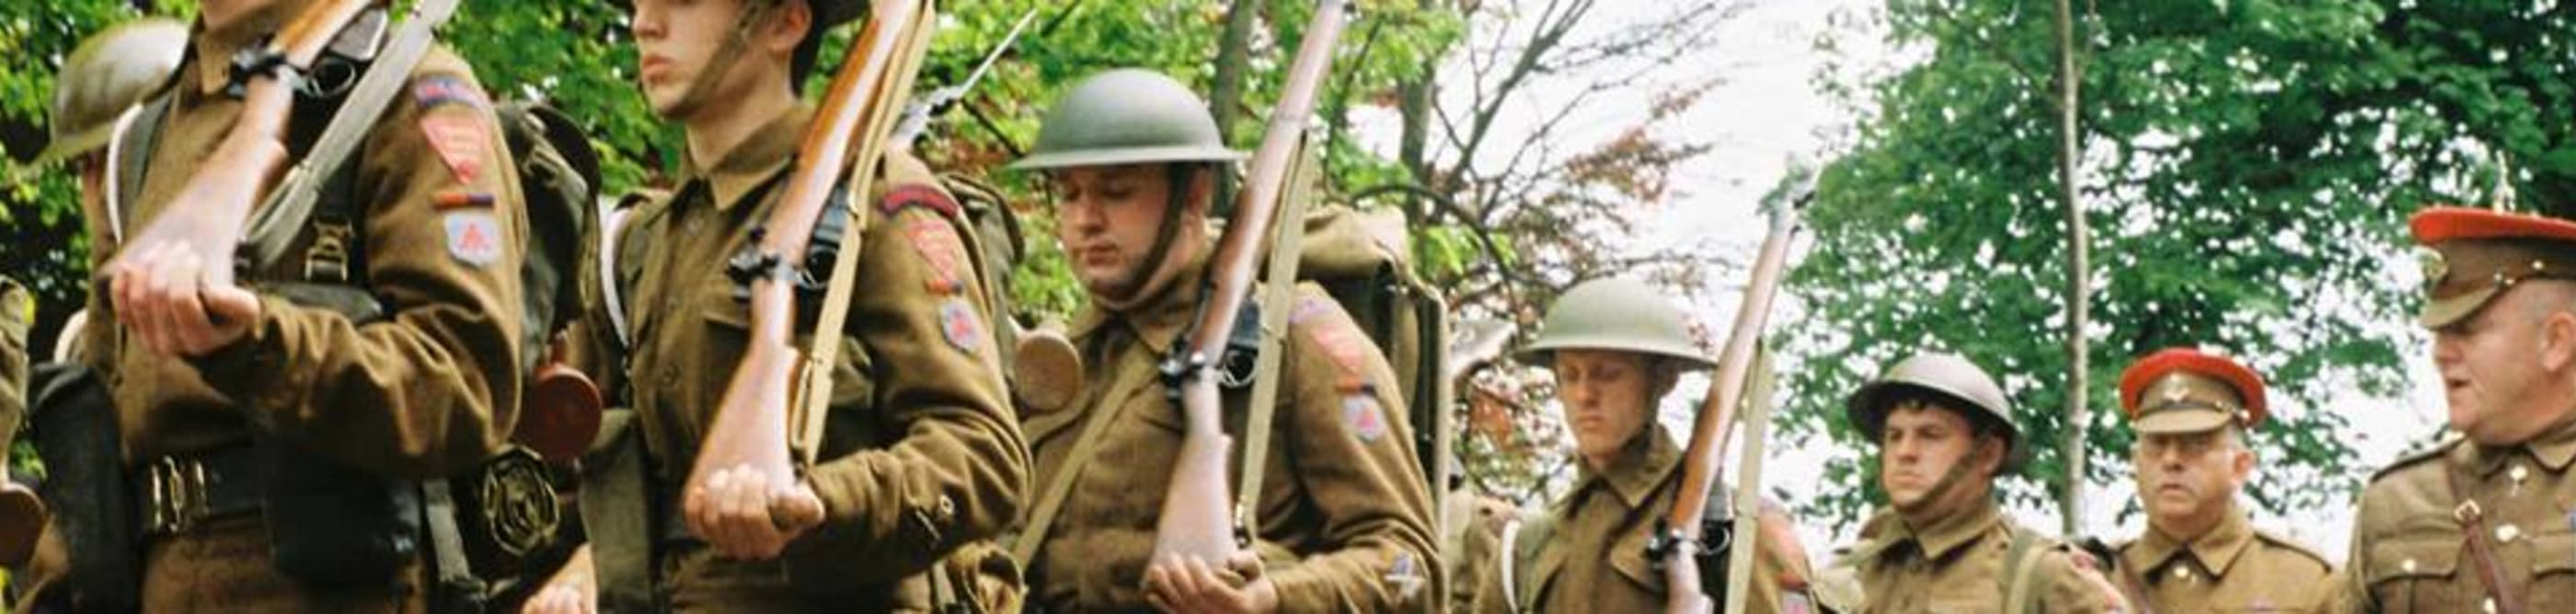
<point x="920" y="452"/>
<point x="1345" y="519"/>
<point x="2407" y="551"/>
<point x="1957" y="566"/>
<point x="431" y="389"/>
<point x="2232" y="568"/>
<point x="1594" y="559"/>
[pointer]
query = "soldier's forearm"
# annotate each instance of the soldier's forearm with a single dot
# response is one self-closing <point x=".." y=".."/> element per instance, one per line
<point x="912" y="503"/>
<point x="405" y="396"/>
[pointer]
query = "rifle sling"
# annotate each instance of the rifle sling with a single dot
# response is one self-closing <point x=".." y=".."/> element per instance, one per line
<point x="275" y="226"/>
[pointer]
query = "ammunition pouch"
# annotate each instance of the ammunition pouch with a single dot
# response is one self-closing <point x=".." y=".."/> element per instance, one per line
<point x="348" y="526"/>
<point x="74" y="424"/>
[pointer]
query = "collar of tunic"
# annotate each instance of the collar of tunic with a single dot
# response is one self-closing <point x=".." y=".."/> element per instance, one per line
<point x="2553" y="449"/>
<point x="1641" y="467"/>
<point x="1942" y="536"/>
<point x="2216" y="549"/>
<point x="753" y="162"/>
<point x="1157" y="322"/>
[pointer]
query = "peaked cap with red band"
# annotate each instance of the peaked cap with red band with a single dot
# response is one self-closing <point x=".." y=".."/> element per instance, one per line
<point x="2477" y="254"/>
<point x="2182" y="390"/>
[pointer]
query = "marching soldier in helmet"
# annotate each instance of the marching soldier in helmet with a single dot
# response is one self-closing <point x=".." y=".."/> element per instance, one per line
<point x="107" y="75"/>
<point x="1617" y="347"/>
<point x="247" y="405"/>
<point x="1945" y="433"/>
<point x="1132" y="159"/>
<point x="2200" y="554"/>
<point x="2481" y="523"/>
<point x="921" y="455"/>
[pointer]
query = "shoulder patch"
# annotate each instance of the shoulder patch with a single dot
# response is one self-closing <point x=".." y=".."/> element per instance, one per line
<point x="1332" y="330"/>
<point x="960" y="325"/>
<point x="473" y="237"/>
<point x="2416" y="458"/>
<point x="459" y="140"/>
<point x="917" y="195"/>
<point x="941" y="249"/>
<point x="1360" y="413"/>
<point x="441" y="89"/>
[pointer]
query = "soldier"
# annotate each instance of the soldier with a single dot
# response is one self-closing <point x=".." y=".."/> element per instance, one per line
<point x="108" y="74"/>
<point x="2481" y="523"/>
<point x="1132" y="159"/>
<point x="1945" y="433"/>
<point x="921" y="454"/>
<point x="1617" y="348"/>
<point x="2199" y="553"/>
<point x="242" y="408"/>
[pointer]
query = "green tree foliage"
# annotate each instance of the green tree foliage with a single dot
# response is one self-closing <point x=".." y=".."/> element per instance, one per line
<point x="2248" y="169"/>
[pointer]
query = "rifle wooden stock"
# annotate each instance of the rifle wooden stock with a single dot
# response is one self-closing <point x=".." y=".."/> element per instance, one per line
<point x="1196" y="519"/>
<point x="778" y="387"/>
<point x="1705" y="457"/>
<point x="217" y="200"/>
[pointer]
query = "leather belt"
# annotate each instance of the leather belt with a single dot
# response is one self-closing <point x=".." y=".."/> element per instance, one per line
<point x="182" y="492"/>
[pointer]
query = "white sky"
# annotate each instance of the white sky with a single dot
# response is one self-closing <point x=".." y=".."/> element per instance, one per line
<point x="1767" y="112"/>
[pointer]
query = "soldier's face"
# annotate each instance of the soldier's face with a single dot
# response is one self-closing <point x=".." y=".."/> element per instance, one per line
<point x="1107" y="218"/>
<point x="1608" y="397"/>
<point x="2188" y="481"/>
<point x="2504" y="368"/>
<point x="1927" y="452"/>
<point x="677" y="39"/>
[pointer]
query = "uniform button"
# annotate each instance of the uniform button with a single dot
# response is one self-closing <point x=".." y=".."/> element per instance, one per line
<point x="947" y="507"/>
<point x="2407" y="565"/>
<point x="2506" y="533"/>
<point x="2182" y="573"/>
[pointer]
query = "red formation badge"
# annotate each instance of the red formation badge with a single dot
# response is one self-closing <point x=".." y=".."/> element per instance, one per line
<point x="459" y="141"/>
<point x="940" y="248"/>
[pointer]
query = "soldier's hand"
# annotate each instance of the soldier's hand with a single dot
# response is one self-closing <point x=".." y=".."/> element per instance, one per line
<point x="573" y="589"/>
<point x="751" y="514"/>
<point x="1189" y="584"/>
<point x="178" y="304"/>
<point x="2092" y="571"/>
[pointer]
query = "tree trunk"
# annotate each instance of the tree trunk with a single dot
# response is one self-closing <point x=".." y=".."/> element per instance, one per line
<point x="2078" y="284"/>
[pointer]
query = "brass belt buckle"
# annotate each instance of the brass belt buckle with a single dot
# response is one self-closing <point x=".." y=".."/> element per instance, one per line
<point x="179" y="498"/>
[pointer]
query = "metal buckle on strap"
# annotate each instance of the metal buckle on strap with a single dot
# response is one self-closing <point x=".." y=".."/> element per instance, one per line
<point x="179" y="497"/>
<point x="2467" y="512"/>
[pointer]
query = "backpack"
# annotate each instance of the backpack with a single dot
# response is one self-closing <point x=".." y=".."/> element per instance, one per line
<point x="1362" y="258"/>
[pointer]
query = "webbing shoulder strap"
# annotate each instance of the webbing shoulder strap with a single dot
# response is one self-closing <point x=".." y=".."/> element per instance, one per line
<point x="128" y="154"/>
<point x="2021" y="562"/>
<point x="1085" y="449"/>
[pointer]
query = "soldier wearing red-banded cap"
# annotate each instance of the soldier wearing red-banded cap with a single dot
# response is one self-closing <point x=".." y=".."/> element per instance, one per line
<point x="2482" y="523"/>
<point x="2199" y="553"/>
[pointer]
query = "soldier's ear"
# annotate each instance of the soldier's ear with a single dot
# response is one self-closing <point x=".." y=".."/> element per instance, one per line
<point x="788" y="22"/>
<point x="2558" y="340"/>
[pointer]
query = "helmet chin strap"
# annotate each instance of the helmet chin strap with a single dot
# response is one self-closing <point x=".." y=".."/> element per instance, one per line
<point x="704" y="84"/>
<point x="1144" y="278"/>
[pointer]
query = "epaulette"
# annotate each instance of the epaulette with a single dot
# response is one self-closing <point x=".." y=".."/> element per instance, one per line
<point x="2418" y="457"/>
<point x="2293" y="546"/>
